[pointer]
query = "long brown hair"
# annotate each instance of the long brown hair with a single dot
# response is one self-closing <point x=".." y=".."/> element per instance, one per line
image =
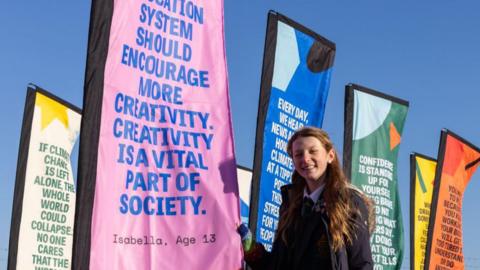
<point x="337" y="195"/>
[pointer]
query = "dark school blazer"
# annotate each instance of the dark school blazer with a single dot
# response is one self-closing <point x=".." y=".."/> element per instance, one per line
<point x="356" y="255"/>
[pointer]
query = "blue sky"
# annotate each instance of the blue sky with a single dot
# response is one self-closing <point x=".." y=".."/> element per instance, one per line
<point x="425" y="52"/>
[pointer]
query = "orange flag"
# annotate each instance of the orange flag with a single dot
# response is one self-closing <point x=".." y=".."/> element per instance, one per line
<point x="457" y="161"/>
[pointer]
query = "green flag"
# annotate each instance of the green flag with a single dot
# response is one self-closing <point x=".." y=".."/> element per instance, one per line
<point x="373" y="127"/>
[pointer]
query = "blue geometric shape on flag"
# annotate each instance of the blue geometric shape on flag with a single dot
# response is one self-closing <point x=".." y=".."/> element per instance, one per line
<point x="244" y="211"/>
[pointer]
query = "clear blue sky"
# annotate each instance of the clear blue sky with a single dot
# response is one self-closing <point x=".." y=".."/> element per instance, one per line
<point x="426" y="52"/>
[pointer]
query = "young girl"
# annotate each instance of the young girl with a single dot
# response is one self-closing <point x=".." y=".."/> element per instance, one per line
<point x="324" y="220"/>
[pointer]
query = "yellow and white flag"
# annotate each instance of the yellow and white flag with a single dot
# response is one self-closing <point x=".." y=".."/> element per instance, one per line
<point x="43" y="213"/>
<point x="422" y="171"/>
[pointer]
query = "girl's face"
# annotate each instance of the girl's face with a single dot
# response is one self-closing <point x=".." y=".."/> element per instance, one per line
<point x="311" y="159"/>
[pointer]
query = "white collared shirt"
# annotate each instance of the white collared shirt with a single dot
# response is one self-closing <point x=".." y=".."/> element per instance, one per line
<point x="315" y="194"/>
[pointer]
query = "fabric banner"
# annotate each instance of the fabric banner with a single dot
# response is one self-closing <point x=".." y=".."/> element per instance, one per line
<point x="422" y="175"/>
<point x="43" y="212"/>
<point x="244" y="176"/>
<point x="373" y="127"/>
<point x="457" y="161"/>
<point x="297" y="67"/>
<point x="157" y="184"/>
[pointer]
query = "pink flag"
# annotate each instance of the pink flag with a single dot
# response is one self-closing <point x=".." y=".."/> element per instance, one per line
<point x="165" y="186"/>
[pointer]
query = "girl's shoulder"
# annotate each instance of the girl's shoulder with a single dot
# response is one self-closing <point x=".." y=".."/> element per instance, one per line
<point x="357" y="195"/>
<point x="365" y="204"/>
